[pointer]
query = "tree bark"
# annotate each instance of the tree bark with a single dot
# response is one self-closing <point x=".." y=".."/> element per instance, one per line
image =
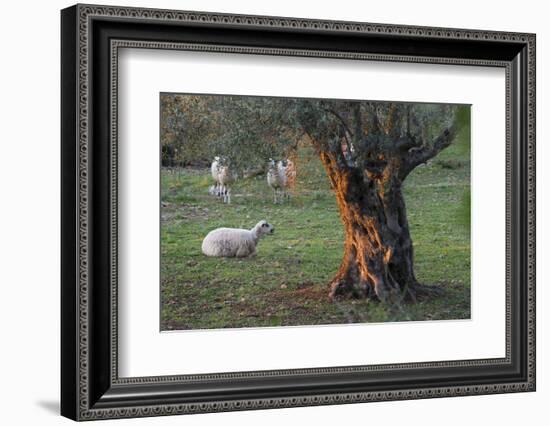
<point x="378" y="251"/>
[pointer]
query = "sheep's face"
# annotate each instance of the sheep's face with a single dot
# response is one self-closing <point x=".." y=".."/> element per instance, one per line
<point x="264" y="228"/>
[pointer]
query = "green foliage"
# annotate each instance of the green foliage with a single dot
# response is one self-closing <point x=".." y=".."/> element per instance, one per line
<point x="246" y="131"/>
<point x="463" y="121"/>
<point x="464" y="210"/>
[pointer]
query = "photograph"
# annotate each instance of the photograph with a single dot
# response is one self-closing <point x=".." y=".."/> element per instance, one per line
<point x="279" y="211"/>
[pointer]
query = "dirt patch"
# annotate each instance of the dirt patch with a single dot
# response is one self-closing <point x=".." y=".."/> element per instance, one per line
<point x="305" y="291"/>
<point x="246" y="309"/>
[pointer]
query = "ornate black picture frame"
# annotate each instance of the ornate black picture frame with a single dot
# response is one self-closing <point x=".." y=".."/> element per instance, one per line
<point x="91" y="36"/>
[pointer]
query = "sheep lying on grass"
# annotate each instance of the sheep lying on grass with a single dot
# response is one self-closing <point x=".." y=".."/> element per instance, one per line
<point x="281" y="175"/>
<point x="233" y="242"/>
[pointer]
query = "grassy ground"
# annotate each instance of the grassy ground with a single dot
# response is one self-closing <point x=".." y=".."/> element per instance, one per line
<point x="286" y="283"/>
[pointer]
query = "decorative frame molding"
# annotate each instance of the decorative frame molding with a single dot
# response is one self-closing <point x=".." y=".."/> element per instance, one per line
<point x="91" y="388"/>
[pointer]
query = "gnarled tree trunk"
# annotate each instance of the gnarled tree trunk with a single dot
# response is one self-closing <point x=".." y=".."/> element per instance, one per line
<point x="378" y="251"/>
<point x="367" y="162"/>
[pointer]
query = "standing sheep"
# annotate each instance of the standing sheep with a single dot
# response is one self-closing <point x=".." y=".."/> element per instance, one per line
<point x="222" y="176"/>
<point x="233" y="242"/>
<point x="281" y="175"/>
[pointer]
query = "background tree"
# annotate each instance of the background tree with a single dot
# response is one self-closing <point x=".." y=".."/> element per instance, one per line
<point x="244" y="131"/>
<point x="367" y="149"/>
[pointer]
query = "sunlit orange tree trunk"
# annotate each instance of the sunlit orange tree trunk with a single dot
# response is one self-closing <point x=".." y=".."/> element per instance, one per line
<point x="366" y="161"/>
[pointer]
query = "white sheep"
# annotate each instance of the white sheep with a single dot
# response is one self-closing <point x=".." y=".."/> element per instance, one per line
<point x="280" y="176"/>
<point x="234" y="242"/>
<point x="222" y="176"/>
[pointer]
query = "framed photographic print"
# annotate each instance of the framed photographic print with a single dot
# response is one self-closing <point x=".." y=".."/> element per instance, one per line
<point x="263" y="212"/>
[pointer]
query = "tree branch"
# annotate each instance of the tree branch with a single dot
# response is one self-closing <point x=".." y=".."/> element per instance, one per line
<point x="340" y="119"/>
<point x="419" y="155"/>
<point x="373" y="124"/>
<point x="355" y="136"/>
<point x="394" y="117"/>
<point x="405" y="143"/>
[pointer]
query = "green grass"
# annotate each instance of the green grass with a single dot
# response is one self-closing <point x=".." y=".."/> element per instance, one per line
<point x="286" y="283"/>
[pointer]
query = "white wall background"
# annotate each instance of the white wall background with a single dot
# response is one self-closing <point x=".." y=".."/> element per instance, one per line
<point x="29" y="212"/>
